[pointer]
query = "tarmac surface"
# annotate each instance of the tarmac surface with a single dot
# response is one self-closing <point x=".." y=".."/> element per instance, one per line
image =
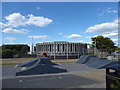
<point x="78" y="76"/>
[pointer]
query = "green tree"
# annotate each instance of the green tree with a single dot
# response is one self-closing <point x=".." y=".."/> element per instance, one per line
<point x="117" y="49"/>
<point x="11" y="50"/>
<point x="7" y="53"/>
<point x="104" y="44"/>
<point x="24" y="49"/>
<point x="35" y="48"/>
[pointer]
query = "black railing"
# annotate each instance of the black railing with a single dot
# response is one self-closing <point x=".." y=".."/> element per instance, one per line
<point x="113" y="77"/>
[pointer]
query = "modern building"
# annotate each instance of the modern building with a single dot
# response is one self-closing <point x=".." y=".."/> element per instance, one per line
<point x="62" y="49"/>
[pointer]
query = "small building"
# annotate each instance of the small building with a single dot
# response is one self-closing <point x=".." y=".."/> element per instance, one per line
<point x="62" y="49"/>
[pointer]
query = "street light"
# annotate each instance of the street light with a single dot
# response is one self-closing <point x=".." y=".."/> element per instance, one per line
<point x="96" y="47"/>
<point x="32" y="46"/>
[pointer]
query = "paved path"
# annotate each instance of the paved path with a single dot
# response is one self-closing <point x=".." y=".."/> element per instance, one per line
<point x="54" y="81"/>
<point x="78" y="76"/>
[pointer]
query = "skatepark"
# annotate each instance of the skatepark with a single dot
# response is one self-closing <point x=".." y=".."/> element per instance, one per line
<point x="88" y="72"/>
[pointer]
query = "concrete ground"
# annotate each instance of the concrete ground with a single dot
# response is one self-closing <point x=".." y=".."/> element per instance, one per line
<point x="78" y="76"/>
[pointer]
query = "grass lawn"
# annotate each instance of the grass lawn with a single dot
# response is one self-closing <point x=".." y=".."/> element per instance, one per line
<point x="14" y="61"/>
<point x="64" y="60"/>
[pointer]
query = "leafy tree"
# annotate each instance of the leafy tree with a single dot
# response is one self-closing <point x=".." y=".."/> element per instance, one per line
<point x="35" y="48"/>
<point x="117" y="49"/>
<point x="7" y="53"/>
<point x="104" y="44"/>
<point x="11" y="50"/>
<point x="24" y="49"/>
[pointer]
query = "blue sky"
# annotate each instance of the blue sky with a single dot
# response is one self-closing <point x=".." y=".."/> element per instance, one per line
<point x="58" y="21"/>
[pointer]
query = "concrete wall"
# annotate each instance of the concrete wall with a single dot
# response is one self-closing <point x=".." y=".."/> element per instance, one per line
<point x="62" y="49"/>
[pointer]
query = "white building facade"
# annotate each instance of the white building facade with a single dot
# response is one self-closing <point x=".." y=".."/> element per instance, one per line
<point x="62" y="48"/>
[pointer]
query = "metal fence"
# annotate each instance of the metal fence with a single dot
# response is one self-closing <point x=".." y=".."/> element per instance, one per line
<point x="112" y="79"/>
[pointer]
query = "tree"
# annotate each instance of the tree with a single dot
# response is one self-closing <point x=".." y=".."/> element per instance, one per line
<point x="11" y="50"/>
<point x="35" y="48"/>
<point x="7" y="53"/>
<point x="104" y="44"/>
<point x="24" y="49"/>
<point x="117" y="49"/>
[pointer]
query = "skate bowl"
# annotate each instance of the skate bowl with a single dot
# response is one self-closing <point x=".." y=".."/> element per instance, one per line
<point x="94" y="62"/>
<point x="41" y="65"/>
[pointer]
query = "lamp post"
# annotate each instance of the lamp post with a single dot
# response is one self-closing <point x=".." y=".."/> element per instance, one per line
<point x="78" y="50"/>
<point x="54" y="50"/>
<point x="67" y="50"/>
<point x="32" y="46"/>
<point x="96" y="47"/>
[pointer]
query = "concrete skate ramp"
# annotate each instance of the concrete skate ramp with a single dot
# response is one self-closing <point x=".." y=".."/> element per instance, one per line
<point x="84" y="58"/>
<point x="30" y="63"/>
<point x="91" y="60"/>
<point x="101" y="63"/>
<point x="94" y="62"/>
<point x="40" y="66"/>
<point x="45" y="60"/>
<point x="40" y="69"/>
<point x="113" y="63"/>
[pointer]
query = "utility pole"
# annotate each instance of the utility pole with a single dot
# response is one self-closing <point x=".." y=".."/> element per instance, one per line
<point x="96" y="47"/>
<point x="54" y="50"/>
<point x="78" y="49"/>
<point x="88" y="49"/>
<point x="32" y="46"/>
<point x="67" y="50"/>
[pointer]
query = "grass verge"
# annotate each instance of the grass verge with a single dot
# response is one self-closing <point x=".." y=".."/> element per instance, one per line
<point x="15" y="61"/>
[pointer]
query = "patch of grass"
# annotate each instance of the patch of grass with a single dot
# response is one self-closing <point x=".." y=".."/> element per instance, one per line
<point x="63" y="61"/>
<point x="14" y="61"/>
<point x="10" y="63"/>
<point x="17" y="58"/>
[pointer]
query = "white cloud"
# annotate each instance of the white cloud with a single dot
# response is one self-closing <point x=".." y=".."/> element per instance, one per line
<point x="115" y="34"/>
<point x="60" y="33"/>
<point x="112" y="11"/>
<point x="38" y="8"/>
<point x="95" y="36"/>
<point x="1" y="42"/>
<point x="38" y="21"/>
<point x="107" y="11"/>
<point x="15" y="19"/>
<point x="2" y="25"/>
<point x="74" y="36"/>
<point x="39" y="37"/>
<point x="104" y="27"/>
<point x="80" y="41"/>
<point x="87" y="37"/>
<point x="114" y="40"/>
<point x="10" y="39"/>
<point x="11" y="30"/>
<point x="88" y="42"/>
<point x="110" y="35"/>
